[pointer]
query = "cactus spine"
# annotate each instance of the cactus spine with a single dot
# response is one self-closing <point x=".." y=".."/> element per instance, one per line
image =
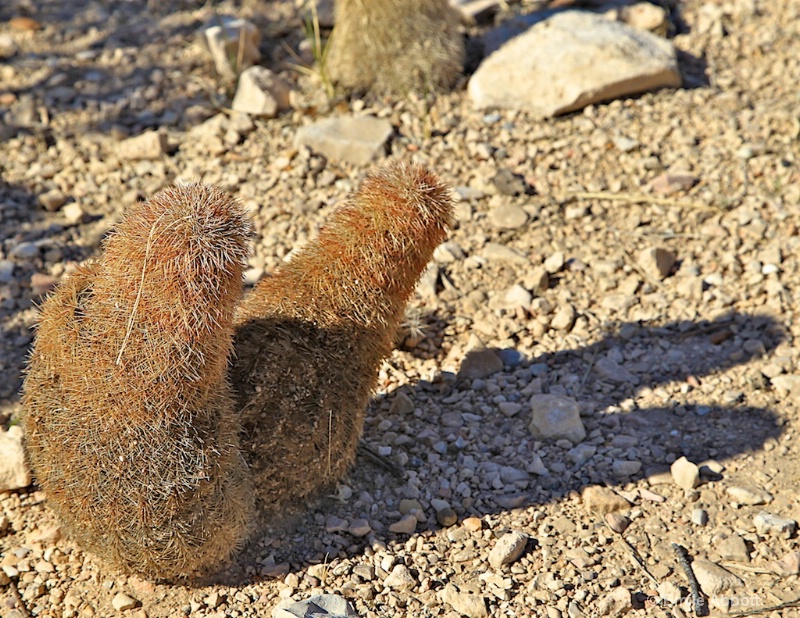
<point x="132" y="425"/>
<point x="396" y="46"/>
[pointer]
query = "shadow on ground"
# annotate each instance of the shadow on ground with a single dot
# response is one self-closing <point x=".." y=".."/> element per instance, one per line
<point x="673" y="353"/>
<point x="97" y="64"/>
<point x="30" y="237"/>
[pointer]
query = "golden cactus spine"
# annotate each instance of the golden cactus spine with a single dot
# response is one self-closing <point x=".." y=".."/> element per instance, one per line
<point x="131" y="424"/>
<point x="129" y="419"/>
<point x="310" y="339"/>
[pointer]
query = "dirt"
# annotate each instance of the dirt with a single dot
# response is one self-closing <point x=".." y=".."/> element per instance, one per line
<point x="699" y="360"/>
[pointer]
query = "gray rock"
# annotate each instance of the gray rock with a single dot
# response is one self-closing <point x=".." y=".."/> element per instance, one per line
<point x="42" y="283"/>
<point x="508" y="217"/>
<point x="749" y="494"/>
<point x="355" y="139"/>
<point x="476" y="9"/>
<point x="508" y="549"/>
<point x="537" y="467"/>
<point x="6" y="270"/>
<point x="496" y="252"/>
<point x="232" y="43"/>
<point x="733" y="548"/>
<point x="408" y="505"/>
<point x="508" y="183"/>
<point x="509" y="408"/>
<point x="713" y="578"/>
<point x="538" y="280"/>
<point x="335" y="524"/>
<point x="625" y="144"/>
<point x="448" y="252"/>
<point x="359" y="528"/>
<point x="400" y="578"/>
<point x="24" y="251"/>
<point x="318" y="606"/>
<point x="668" y="183"/>
<point x="624" y="467"/>
<point x="261" y="93"/>
<point x="14" y="471"/>
<point x="614" y="372"/>
<point x="509" y="474"/>
<point x="555" y="418"/>
<point x="570" y="60"/>
<point x="470" y="605"/>
<point x="618" y="523"/>
<point x="580" y="558"/>
<point x="401" y="404"/>
<point x="427" y="282"/>
<point x="768" y="524"/>
<point x="685" y="474"/>
<point x="148" y="145"/>
<point x="479" y="363"/>
<point x="657" y="262"/>
<point x="582" y="453"/>
<point x="446" y="517"/>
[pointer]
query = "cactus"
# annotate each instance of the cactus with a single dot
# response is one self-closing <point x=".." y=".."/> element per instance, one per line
<point x="129" y="420"/>
<point x="310" y="339"/>
<point x="395" y="46"/>
<point x="132" y="425"/>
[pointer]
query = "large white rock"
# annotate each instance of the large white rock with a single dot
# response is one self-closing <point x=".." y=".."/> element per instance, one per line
<point x="570" y="60"/>
<point x="14" y="471"/>
<point x="355" y="139"/>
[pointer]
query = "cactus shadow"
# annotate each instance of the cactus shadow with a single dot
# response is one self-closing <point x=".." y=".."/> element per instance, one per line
<point x="497" y="450"/>
<point x="112" y="89"/>
<point x="605" y="378"/>
<point x="26" y="224"/>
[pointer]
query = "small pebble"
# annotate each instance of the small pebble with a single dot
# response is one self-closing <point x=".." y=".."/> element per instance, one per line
<point x="685" y="474"/>
<point x="699" y="517"/>
<point x="508" y="549"/>
<point x="122" y="602"/>
<point x="768" y="524"/>
<point x="400" y="578"/>
<point x="618" y="523"/>
<point x="406" y="525"/>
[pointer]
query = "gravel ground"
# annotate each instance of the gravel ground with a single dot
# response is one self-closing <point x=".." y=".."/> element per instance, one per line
<point x="552" y="265"/>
